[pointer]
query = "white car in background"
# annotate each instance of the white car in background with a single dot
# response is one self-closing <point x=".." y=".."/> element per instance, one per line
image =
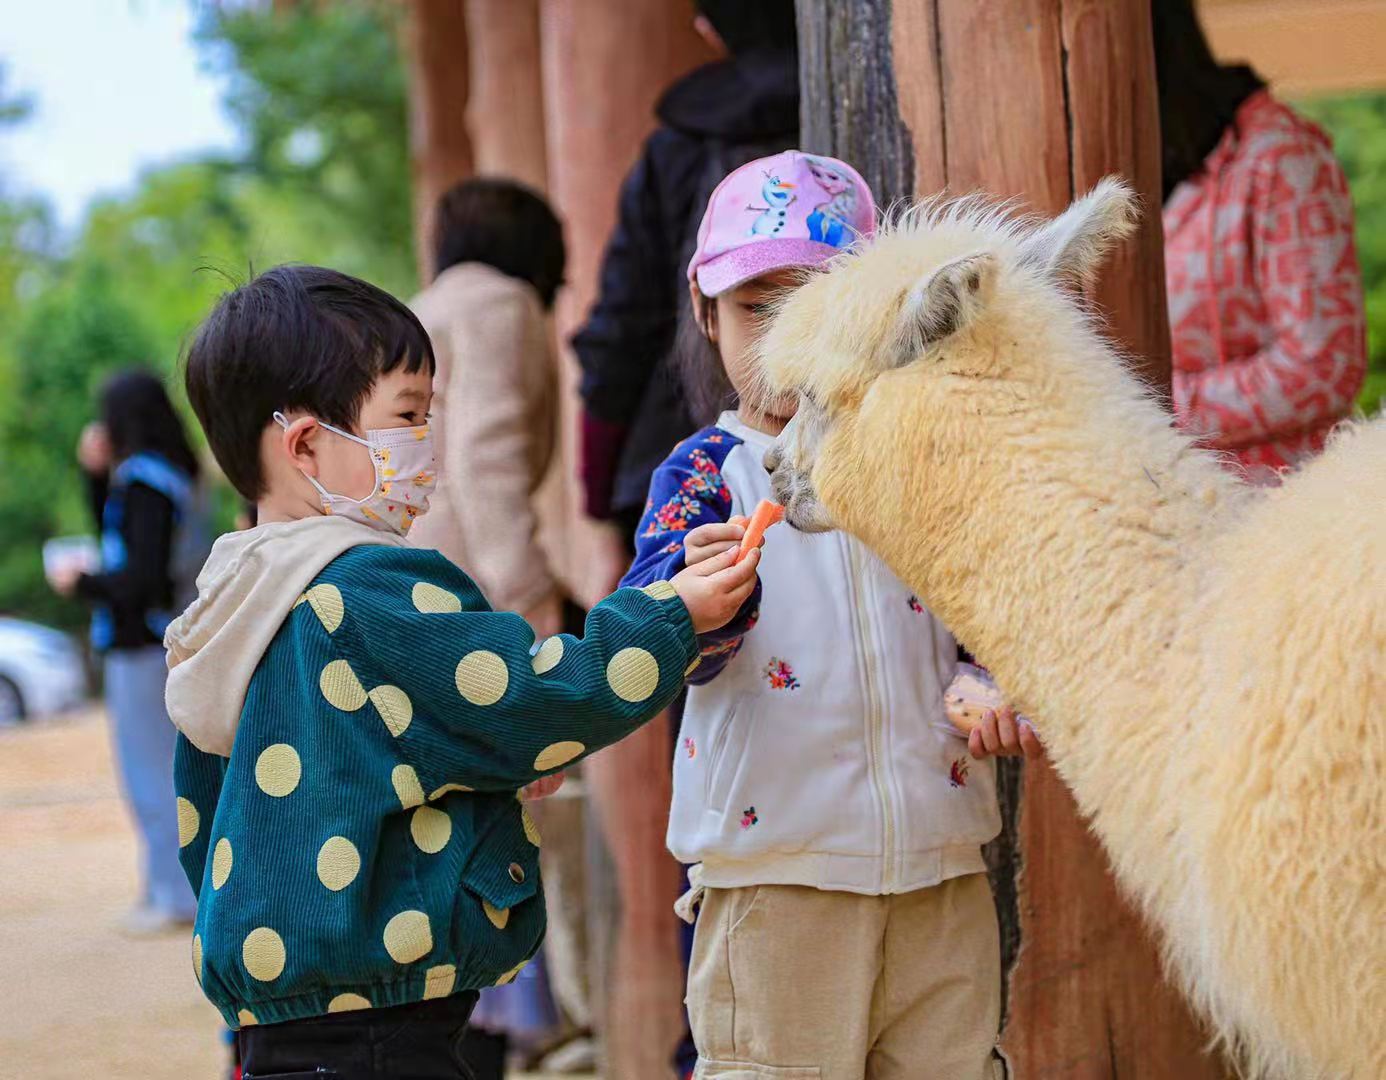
<point x="41" y="672"/>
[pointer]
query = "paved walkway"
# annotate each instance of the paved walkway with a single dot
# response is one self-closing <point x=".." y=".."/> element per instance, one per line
<point x="79" y="998"/>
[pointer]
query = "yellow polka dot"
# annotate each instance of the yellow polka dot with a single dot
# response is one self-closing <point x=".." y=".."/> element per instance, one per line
<point x="556" y="754"/>
<point x="531" y="829"/>
<point x="394" y="707"/>
<point x="430" y="829"/>
<point x="407" y="786"/>
<point x="338" y="863"/>
<point x="277" y="770"/>
<point x="347" y="1003"/>
<point x="440" y="792"/>
<point x="548" y="656"/>
<point x="633" y="675"/>
<point x="439" y="981"/>
<point x="221" y="863"/>
<point x="197" y="957"/>
<point x="660" y="590"/>
<point x="188" y="821"/>
<point x="326" y="602"/>
<point x="509" y="976"/>
<point x="482" y="677"/>
<point x="341" y="687"/>
<point x="263" y="954"/>
<point x="408" y="937"/>
<point x="247" y="1018"/>
<point x="432" y="600"/>
<point x="499" y="917"/>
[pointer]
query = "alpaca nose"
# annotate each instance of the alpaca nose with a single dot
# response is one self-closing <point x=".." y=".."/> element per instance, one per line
<point x="771" y="461"/>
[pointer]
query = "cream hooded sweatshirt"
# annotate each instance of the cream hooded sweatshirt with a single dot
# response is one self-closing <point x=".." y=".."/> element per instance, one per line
<point x="250" y="583"/>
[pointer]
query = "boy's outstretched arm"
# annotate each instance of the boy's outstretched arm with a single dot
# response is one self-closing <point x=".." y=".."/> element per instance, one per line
<point x="474" y="703"/>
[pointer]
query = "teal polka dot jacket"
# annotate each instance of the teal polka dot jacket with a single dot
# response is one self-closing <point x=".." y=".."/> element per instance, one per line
<point x="363" y="845"/>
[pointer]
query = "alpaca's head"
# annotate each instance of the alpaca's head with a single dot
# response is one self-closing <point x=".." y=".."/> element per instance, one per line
<point x="953" y="290"/>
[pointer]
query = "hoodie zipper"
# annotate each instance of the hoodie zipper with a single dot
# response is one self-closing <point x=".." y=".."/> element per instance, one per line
<point x="875" y="716"/>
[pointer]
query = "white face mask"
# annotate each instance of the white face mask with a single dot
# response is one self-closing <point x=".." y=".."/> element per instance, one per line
<point x="404" y="477"/>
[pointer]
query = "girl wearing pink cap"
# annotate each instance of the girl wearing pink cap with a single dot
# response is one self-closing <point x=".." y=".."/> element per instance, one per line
<point x="846" y="929"/>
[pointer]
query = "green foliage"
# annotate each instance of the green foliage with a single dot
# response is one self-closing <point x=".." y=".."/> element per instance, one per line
<point x="320" y="93"/>
<point x="68" y="341"/>
<point x="324" y="178"/>
<point x="1357" y="124"/>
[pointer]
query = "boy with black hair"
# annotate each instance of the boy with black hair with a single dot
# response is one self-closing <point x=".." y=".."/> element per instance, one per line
<point x="355" y="721"/>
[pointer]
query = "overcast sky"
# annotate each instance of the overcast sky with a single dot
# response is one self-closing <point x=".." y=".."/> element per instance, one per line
<point x="116" y="88"/>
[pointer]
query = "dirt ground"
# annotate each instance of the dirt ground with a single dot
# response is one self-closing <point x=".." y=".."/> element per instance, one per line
<point x="79" y="998"/>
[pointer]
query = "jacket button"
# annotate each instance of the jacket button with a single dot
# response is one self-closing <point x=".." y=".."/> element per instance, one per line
<point x="517" y="873"/>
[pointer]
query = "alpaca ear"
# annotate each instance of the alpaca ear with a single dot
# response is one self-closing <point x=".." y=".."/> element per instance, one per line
<point x="944" y="301"/>
<point x="1076" y="241"/>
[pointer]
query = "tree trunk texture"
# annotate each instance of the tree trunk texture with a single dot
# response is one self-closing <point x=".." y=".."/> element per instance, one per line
<point x="1036" y="99"/>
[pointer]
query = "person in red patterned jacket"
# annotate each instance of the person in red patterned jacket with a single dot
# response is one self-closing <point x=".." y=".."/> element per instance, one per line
<point x="1264" y="289"/>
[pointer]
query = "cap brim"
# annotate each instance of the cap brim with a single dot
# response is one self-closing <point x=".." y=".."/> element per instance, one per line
<point x="742" y="264"/>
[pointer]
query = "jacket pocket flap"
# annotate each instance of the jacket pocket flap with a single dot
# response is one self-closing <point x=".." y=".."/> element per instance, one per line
<point x="502" y="879"/>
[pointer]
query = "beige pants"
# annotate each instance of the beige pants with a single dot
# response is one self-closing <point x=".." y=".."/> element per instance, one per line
<point x="792" y="983"/>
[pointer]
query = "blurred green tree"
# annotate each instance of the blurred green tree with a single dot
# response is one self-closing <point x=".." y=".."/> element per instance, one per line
<point x="1357" y="124"/>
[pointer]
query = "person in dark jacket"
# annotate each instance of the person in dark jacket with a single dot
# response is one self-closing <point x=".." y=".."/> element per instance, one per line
<point x="712" y="120"/>
<point x="141" y="478"/>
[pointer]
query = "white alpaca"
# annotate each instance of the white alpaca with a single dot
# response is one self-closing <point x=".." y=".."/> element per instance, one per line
<point x="1206" y="661"/>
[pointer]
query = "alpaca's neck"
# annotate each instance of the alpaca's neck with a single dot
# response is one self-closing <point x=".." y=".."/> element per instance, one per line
<point x="1056" y="532"/>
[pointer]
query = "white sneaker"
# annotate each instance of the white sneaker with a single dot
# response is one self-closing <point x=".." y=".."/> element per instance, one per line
<point x="145" y="921"/>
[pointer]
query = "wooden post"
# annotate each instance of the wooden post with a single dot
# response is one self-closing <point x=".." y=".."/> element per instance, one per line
<point x="1037" y="99"/>
<point x="505" y="114"/>
<point x="435" y="40"/>
<point x="604" y="67"/>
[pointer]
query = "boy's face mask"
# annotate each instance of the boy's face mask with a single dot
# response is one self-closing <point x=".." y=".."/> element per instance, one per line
<point x="404" y="477"/>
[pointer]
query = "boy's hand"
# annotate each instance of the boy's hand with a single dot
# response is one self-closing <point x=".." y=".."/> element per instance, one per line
<point x="1002" y="734"/>
<point x="714" y="590"/>
<point x="707" y="541"/>
<point x="542" y="788"/>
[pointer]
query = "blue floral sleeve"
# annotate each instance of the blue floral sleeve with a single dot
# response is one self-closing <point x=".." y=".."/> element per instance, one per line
<point x="686" y="491"/>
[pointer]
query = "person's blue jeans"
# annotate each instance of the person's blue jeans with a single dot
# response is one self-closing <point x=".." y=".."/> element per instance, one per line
<point x="143" y="737"/>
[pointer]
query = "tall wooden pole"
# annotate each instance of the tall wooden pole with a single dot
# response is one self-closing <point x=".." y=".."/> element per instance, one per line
<point x="1036" y="99"/>
<point x="605" y="65"/>
<point x="435" y="40"/>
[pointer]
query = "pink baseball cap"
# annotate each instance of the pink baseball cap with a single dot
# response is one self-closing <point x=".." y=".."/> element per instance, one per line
<point x="774" y="213"/>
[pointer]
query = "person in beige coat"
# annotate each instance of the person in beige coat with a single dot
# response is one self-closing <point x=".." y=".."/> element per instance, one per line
<point x="499" y="258"/>
<point x="499" y="255"/>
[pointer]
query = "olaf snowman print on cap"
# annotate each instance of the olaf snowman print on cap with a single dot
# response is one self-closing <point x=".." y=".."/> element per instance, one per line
<point x="779" y="196"/>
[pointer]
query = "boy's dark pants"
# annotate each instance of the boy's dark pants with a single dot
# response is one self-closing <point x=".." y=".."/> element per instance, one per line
<point x="408" y="1042"/>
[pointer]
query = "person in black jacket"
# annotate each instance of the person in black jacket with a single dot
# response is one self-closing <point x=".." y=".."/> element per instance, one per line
<point x="715" y="118"/>
<point x="141" y="478"/>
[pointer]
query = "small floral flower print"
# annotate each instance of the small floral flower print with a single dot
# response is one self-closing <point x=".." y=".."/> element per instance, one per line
<point x="690" y="748"/>
<point x="715" y="439"/>
<point x="957" y="775"/>
<point x="915" y="605"/>
<point x="780" y="675"/>
<point x="749" y="818"/>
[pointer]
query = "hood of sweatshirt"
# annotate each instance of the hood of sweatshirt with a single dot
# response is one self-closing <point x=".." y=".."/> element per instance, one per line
<point x="743" y="99"/>
<point x="250" y="583"/>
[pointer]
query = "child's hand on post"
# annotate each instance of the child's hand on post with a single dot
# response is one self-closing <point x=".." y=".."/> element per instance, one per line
<point x="707" y="541"/>
<point x="542" y="788"/>
<point x="1003" y="734"/>
<point x="714" y="589"/>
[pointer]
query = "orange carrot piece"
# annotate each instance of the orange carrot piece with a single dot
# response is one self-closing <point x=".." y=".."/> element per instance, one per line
<point x="767" y="513"/>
